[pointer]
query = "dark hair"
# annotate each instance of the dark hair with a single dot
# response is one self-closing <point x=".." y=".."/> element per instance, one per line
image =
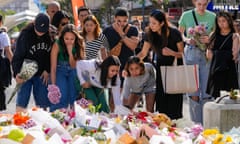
<point x="97" y="30"/>
<point x="133" y="60"/>
<point x="217" y="30"/>
<point x="104" y="66"/>
<point x="121" y="11"/>
<point x="58" y="16"/>
<point x="78" y="41"/>
<point x="154" y="36"/>
<point x="1" y="18"/>
<point x="84" y="9"/>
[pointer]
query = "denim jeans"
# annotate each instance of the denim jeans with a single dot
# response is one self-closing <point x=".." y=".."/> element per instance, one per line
<point x="194" y="55"/>
<point x="66" y="81"/>
<point x="39" y="92"/>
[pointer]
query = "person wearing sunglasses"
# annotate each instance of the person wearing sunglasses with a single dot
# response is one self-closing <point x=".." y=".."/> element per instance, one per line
<point x="60" y="19"/>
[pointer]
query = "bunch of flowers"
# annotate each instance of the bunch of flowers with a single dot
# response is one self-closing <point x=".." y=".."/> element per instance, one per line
<point x="54" y="94"/>
<point x="195" y="33"/>
<point x="20" y="118"/>
<point x="29" y="68"/>
<point x="64" y="116"/>
<point x="215" y="137"/>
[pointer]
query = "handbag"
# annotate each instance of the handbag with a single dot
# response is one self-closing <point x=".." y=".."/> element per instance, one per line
<point x="116" y="50"/>
<point x="180" y="78"/>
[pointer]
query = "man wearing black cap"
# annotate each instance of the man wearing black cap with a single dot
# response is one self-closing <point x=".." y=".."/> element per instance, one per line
<point x="34" y="43"/>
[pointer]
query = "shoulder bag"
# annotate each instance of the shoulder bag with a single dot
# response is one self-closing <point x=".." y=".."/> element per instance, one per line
<point x="180" y="78"/>
<point x="117" y="48"/>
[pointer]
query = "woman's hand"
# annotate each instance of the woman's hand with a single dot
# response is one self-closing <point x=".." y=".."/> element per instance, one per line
<point x="168" y="52"/>
<point x="69" y="49"/>
<point x="86" y="85"/>
<point x="204" y="39"/>
<point x="19" y="80"/>
<point x="209" y="54"/>
<point x="44" y="77"/>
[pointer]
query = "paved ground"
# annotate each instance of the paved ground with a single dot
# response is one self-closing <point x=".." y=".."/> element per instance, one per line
<point x="11" y="106"/>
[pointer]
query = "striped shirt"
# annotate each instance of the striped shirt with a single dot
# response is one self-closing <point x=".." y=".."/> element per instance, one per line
<point x="92" y="47"/>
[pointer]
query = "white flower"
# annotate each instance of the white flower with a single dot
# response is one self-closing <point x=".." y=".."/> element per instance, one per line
<point x="28" y="70"/>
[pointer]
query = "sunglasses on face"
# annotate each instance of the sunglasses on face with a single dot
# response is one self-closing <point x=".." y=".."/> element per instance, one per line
<point x="63" y="24"/>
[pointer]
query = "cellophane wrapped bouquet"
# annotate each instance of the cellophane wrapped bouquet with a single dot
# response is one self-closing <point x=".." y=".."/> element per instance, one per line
<point x="195" y="33"/>
<point x="28" y="70"/>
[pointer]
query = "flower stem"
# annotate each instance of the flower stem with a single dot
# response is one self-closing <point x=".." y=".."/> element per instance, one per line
<point x="14" y="92"/>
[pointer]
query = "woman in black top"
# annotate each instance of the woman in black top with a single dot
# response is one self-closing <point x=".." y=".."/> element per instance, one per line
<point x="167" y="43"/>
<point x="223" y="50"/>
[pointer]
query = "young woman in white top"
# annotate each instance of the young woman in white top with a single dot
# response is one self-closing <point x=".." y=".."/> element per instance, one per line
<point x="95" y="76"/>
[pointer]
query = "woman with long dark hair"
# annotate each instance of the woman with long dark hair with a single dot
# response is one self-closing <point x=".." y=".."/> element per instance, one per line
<point x="95" y="76"/>
<point x="65" y="52"/>
<point x="223" y="51"/>
<point x="167" y="43"/>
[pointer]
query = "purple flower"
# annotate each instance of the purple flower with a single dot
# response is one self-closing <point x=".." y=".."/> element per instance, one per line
<point x="54" y="94"/>
<point x="196" y="130"/>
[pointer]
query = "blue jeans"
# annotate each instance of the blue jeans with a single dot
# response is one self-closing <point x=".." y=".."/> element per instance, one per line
<point x="65" y="80"/>
<point x="39" y="92"/>
<point x="194" y="55"/>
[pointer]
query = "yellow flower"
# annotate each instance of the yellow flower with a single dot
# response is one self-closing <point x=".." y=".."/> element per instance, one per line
<point x="209" y="132"/>
<point x="228" y="139"/>
<point x="218" y="139"/>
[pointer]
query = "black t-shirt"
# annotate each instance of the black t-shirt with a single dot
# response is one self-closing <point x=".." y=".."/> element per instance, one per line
<point x="173" y="38"/>
<point x="113" y="38"/>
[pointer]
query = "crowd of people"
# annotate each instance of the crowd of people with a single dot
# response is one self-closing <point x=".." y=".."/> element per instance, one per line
<point x="112" y="66"/>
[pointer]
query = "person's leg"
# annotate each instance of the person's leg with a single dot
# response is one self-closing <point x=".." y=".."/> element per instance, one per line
<point x="2" y="97"/>
<point x="133" y="98"/>
<point x="61" y="82"/>
<point x="72" y="87"/>
<point x="40" y="93"/>
<point x="91" y="95"/>
<point x="150" y="99"/>
<point x="23" y="96"/>
<point x="102" y="100"/>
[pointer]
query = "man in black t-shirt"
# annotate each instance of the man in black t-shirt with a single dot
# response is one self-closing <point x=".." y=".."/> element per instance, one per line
<point x="115" y="33"/>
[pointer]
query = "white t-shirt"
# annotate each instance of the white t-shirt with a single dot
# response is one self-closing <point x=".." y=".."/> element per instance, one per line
<point x="88" y="72"/>
<point x="4" y="40"/>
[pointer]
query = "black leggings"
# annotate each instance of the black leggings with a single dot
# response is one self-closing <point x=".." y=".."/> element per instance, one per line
<point x="2" y="97"/>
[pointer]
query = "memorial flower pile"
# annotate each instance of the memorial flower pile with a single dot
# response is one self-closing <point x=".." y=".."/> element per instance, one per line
<point x="81" y="125"/>
<point x="195" y="33"/>
<point x="28" y="70"/>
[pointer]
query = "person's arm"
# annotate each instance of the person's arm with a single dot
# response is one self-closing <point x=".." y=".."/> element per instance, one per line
<point x="53" y="61"/>
<point x="235" y="47"/>
<point x="19" y="54"/>
<point x="116" y="93"/>
<point x="132" y="41"/>
<point x="143" y="53"/>
<point x="126" y="90"/>
<point x="7" y="46"/>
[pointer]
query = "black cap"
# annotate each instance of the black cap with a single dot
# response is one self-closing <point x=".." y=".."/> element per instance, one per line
<point x="42" y="23"/>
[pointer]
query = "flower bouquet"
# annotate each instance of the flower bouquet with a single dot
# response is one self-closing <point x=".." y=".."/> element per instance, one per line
<point x="195" y="33"/>
<point x="54" y="94"/>
<point x="29" y="68"/>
